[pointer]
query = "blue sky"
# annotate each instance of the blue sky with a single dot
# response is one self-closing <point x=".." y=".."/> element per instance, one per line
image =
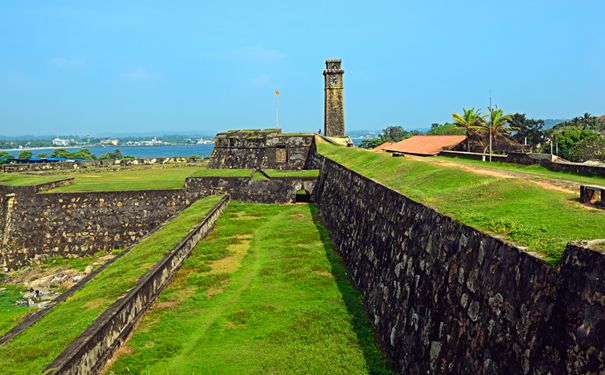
<point x="201" y="66"/>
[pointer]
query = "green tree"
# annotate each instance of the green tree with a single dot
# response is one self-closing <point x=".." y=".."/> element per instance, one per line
<point x="394" y="133"/>
<point x="371" y="143"/>
<point x="470" y="122"/>
<point x="498" y="123"/>
<point x="82" y="154"/>
<point x="42" y="155"/>
<point x="567" y="138"/>
<point x="60" y="153"/>
<point x="26" y="154"/>
<point x="194" y="158"/>
<point x="4" y="156"/>
<point x="592" y="148"/>
<point x="527" y="129"/>
<point x="445" y="129"/>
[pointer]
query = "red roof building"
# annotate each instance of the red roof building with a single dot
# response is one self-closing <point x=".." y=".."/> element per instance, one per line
<point x="426" y="145"/>
<point x="382" y="147"/>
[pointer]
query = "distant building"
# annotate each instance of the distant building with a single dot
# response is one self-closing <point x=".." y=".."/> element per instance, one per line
<point x="61" y="142"/>
<point x="426" y="145"/>
<point x="110" y="142"/>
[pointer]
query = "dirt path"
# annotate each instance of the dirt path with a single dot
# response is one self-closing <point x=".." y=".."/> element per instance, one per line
<point x="543" y="182"/>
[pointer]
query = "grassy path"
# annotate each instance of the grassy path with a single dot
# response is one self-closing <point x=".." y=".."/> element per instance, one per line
<point x="529" y="171"/>
<point x="264" y="293"/>
<point x="543" y="220"/>
<point x="33" y="349"/>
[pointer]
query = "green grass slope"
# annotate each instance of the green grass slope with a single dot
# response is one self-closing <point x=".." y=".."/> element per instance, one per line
<point x="32" y="350"/>
<point x="521" y="211"/>
<point x="533" y="170"/>
<point x="264" y="293"/>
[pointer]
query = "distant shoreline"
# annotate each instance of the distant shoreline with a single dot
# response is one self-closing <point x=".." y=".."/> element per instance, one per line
<point x="88" y="146"/>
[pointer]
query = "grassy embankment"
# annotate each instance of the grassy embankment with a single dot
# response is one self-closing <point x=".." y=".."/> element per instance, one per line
<point x="534" y="170"/>
<point x="10" y="313"/>
<point x="521" y="211"/>
<point x="18" y="179"/>
<point x="264" y="293"/>
<point x="32" y="350"/>
<point x="136" y="178"/>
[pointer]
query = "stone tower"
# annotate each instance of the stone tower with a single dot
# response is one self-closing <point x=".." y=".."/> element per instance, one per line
<point x="334" y="108"/>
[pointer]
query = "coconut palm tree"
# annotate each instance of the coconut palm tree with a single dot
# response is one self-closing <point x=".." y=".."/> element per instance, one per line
<point x="497" y="124"/>
<point x="471" y="121"/>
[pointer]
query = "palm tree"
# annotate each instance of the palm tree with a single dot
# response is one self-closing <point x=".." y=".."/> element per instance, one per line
<point x="497" y="124"/>
<point x="471" y="121"/>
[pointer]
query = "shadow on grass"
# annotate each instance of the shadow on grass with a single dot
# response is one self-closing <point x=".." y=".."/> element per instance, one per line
<point x="374" y="357"/>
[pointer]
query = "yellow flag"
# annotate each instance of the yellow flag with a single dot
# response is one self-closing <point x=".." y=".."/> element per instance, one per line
<point x="276" y="92"/>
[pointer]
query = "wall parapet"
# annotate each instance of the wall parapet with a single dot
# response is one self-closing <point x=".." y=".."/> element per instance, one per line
<point x="447" y="298"/>
<point x="88" y="353"/>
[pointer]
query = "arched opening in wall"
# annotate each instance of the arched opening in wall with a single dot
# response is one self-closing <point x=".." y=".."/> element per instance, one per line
<point x="303" y="196"/>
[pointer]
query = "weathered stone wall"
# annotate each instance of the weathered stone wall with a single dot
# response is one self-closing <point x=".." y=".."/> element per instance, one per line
<point x="245" y="189"/>
<point x="446" y="298"/>
<point x="77" y="224"/>
<point x="256" y="149"/>
<point x="88" y="353"/>
<point x="90" y="164"/>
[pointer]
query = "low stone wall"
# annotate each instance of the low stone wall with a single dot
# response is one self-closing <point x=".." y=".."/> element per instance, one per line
<point x="245" y="189"/>
<point x="78" y="224"/>
<point x="90" y="351"/>
<point x="545" y="160"/>
<point x="471" y="155"/>
<point x="8" y="168"/>
<point x="446" y="298"/>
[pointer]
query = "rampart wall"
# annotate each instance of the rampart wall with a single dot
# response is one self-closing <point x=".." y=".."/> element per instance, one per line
<point x="78" y="224"/>
<point x="37" y="226"/>
<point x="253" y="149"/>
<point x="89" y="352"/>
<point x="246" y="189"/>
<point x="446" y="298"/>
<point x="27" y="167"/>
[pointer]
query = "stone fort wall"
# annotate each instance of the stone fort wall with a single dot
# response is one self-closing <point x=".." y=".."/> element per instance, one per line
<point x="445" y="298"/>
<point x="79" y="224"/>
<point x="36" y="226"/>
<point x="261" y="149"/>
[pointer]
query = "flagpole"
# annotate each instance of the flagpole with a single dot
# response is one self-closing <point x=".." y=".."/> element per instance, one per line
<point x="276" y="110"/>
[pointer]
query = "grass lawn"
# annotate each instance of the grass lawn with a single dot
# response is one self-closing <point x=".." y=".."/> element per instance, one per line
<point x="303" y="173"/>
<point x="535" y="170"/>
<point x="10" y="313"/>
<point x="32" y="350"/>
<point x="130" y="179"/>
<point x="136" y="178"/>
<point x="14" y="179"/>
<point x="208" y="172"/>
<point x="521" y="211"/>
<point x="249" y="301"/>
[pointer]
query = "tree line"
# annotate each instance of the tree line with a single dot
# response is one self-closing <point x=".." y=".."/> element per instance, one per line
<point x="579" y="139"/>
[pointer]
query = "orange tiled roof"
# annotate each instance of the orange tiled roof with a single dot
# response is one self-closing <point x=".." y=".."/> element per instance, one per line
<point x="426" y="144"/>
<point x="383" y="146"/>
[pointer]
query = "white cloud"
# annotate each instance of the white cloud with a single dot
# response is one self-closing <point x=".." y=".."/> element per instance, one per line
<point x="68" y="63"/>
<point x="255" y="53"/>
<point x="142" y="75"/>
<point x="261" y="80"/>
